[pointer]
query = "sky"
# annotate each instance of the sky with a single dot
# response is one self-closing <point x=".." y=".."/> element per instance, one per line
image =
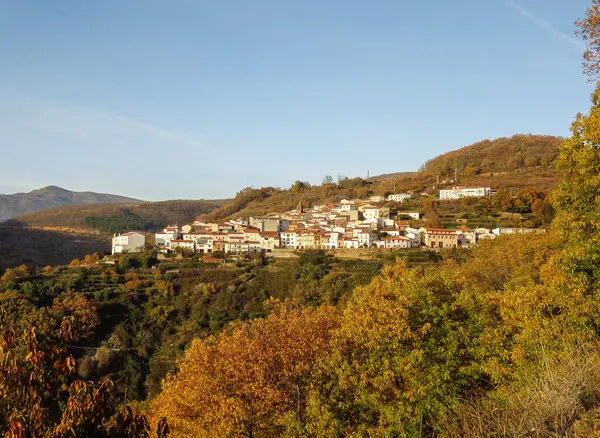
<point x="192" y="99"/>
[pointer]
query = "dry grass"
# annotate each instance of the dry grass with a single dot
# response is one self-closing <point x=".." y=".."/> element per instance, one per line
<point x="545" y="402"/>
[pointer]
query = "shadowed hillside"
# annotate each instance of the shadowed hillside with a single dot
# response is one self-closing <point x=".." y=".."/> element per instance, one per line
<point x="33" y="247"/>
<point x="119" y="217"/>
<point x="50" y="197"/>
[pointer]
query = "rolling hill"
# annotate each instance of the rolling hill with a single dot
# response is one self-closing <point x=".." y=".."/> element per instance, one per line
<point x="147" y="216"/>
<point x="58" y="235"/>
<point x="510" y="163"/>
<point x="51" y="197"/>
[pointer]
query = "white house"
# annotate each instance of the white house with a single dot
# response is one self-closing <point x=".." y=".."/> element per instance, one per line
<point x="351" y="243"/>
<point x="236" y="247"/>
<point x="499" y="231"/>
<point x="411" y="214"/>
<point x="343" y="208"/>
<point x="251" y="234"/>
<point x="394" y="232"/>
<point x="388" y="223"/>
<point x="399" y="197"/>
<point x="396" y="242"/>
<point x="375" y="212"/>
<point x="288" y="239"/>
<point x="188" y="245"/>
<point x="269" y="241"/>
<point x="366" y="238"/>
<point x="334" y="240"/>
<point x="168" y="234"/>
<point x="128" y="242"/>
<point x="466" y="236"/>
<point x="204" y="245"/>
<point x="326" y="241"/>
<point x="414" y="235"/>
<point x="465" y="192"/>
<point x="254" y="246"/>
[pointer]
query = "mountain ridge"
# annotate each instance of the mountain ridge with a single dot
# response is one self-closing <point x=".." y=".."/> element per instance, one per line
<point x="44" y="198"/>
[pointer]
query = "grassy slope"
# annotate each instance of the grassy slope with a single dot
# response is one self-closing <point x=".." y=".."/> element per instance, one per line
<point x="509" y="163"/>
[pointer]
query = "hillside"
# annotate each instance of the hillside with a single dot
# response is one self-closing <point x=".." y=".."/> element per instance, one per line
<point x="51" y="197"/>
<point x="511" y="163"/>
<point x="118" y="217"/>
<point x="504" y="163"/>
<point x="36" y="247"/>
<point x="500" y="155"/>
<point x="58" y="235"/>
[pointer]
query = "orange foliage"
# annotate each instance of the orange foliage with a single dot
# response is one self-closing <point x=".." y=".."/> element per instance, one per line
<point x="76" y="305"/>
<point x="245" y="381"/>
<point x="18" y="273"/>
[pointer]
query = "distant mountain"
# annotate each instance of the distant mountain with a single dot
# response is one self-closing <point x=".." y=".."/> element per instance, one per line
<point x="52" y="197"/>
<point x="140" y="216"/>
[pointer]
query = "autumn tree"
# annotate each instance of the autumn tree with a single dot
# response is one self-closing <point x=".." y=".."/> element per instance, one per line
<point x="252" y="380"/>
<point x="577" y="198"/>
<point x="91" y="259"/>
<point x="401" y="359"/>
<point x="471" y="171"/>
<point x="40" y="397"/>
<point x="503" y="200"/>
<point x="525" y="199"/>
<point x="81" y="309"/>
<point x="18" y="273"/>
<point x="589" y="31"/>
<point x="298" y="186"/>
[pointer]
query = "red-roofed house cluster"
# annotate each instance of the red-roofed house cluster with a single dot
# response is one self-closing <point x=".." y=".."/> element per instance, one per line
<point x="347" y="224"/>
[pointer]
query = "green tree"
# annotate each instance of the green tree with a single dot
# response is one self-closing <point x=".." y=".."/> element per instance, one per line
<point x="327" y="179"/>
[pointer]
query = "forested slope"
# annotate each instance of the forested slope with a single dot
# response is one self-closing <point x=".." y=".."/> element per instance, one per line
<point x="119" y="217"/>
<point x="511" y="163"/>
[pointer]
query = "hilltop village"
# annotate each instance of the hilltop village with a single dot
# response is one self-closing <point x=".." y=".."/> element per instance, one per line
<point x="350" y="224"/>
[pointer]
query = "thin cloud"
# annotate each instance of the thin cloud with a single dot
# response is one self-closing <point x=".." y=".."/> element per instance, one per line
<point x="153" y="130"/>
<point x="24" y="112"/>
<point x="65" y="144"/>
<point x="545" y="25"/>
<point x="61" y="117"/>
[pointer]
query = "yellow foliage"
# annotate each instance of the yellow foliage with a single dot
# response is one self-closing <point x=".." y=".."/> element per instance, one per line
<point x="17" y="273"/>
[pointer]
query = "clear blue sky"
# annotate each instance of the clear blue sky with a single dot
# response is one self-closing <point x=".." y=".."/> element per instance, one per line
<point x="197" y="99"/>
